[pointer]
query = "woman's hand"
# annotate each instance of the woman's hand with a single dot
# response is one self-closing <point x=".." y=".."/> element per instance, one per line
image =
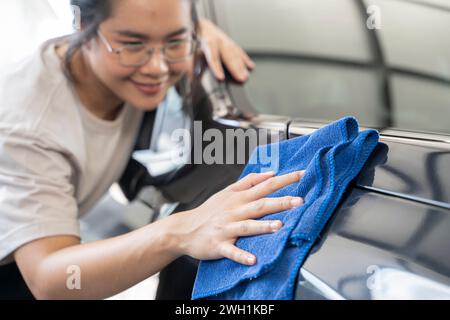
<point x="219" y="48"/>
<point x="211" y="231"/>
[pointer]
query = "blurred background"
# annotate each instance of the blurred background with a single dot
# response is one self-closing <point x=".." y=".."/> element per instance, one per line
<point x="30" y="23"/>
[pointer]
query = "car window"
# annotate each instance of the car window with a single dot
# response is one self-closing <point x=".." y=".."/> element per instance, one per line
<point x="387" y="62"/>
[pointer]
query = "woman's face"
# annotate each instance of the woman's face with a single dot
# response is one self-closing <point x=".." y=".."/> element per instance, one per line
<point x="152" y="22"/>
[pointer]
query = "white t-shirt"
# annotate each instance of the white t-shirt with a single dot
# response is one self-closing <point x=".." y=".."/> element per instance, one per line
<point x="56" y="158"/>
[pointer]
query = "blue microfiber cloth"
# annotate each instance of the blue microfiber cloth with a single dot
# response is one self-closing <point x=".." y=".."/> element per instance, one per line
<point x="332" y="157"/>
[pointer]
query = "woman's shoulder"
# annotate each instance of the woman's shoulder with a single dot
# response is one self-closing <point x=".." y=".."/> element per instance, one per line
<point x="33" y="88"/>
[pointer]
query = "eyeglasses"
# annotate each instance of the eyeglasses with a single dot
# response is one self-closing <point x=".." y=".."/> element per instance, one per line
<point x="137" y="55"/>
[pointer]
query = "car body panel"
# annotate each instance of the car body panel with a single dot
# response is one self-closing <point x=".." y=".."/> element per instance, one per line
<point x="422" y="177"/>
<point x="389" y="237"/>
<point x="370" y="232"/>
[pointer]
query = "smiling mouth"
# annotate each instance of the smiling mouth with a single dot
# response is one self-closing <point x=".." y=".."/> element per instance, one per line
<point x="149" y="88"/>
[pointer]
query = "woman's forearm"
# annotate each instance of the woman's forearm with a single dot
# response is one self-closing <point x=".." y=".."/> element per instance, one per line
<point x="206" y="233"/>
<point x="110" y="266"/>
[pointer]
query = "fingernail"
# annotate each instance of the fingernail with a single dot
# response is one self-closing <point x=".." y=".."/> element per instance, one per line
<point x="300" y="174"/>
<point x="251" y="260"/>
<point x="275" y="226"/>
<point x="296" y="202"/>
<point x="220" y="75"/>
<point x="269" y="173"/>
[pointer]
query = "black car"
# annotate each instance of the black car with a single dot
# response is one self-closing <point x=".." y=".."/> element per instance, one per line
<point x="385" y="62"/>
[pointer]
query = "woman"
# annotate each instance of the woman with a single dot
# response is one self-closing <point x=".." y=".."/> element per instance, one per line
<point x="68" y="121"/>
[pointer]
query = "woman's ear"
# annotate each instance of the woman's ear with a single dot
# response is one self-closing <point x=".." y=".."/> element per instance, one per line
<point x="90" y="43"/>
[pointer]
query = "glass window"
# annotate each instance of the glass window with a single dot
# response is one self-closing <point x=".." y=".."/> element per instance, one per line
<point x="420" y="104"/>
<point x="317" y="59"/>
<point x="316" y="91"/>
<point x="298" y="27"/>
<point x="415" y="37"/>
<point x="440" y="3"/>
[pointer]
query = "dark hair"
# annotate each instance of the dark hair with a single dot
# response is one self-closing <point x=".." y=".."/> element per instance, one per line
<point x="92" y="14"/>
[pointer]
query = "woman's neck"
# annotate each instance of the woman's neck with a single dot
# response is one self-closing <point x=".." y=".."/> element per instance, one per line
<point x="94" y="96"/>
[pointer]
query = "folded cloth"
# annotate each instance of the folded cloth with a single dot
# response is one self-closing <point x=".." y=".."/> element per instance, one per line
<point x="332" y="157"/>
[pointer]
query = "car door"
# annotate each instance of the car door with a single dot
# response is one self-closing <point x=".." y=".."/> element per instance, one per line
<point x="387" y="238"/>
<point x="318" y="61"/>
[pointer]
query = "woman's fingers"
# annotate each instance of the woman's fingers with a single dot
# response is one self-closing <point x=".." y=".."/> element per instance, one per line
<point x="249" y="228"/>
<point x="234" y="60"/>
<point x="262" y="207"/>
<point x="220" y="49"/>
<point x="250" y="181"/>
<point x="247" y="60"/>
<point x="212" y="55"/>
<point x="232" y="252"/>
<point x="246" y="229"/>
<point x="272" y="185"/>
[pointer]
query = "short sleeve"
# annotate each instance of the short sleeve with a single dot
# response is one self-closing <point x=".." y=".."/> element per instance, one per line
<point x="36" y="192"/>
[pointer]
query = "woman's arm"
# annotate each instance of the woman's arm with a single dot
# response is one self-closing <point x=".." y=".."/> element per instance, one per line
<point x="106" y="267"/>
<point x="111" y="266"/>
